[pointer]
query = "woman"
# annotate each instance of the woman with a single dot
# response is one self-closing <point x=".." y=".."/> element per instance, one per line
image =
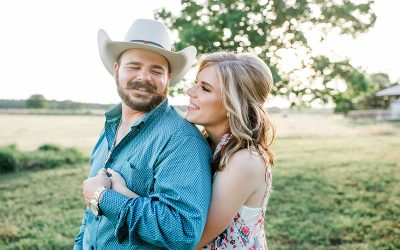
<point x="227" y="100"/>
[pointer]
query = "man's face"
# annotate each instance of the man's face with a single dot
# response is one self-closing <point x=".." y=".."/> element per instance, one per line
<point x="142" y="79"/>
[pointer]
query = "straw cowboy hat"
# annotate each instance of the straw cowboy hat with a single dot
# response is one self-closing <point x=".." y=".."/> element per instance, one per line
<point x="150" y="35"/>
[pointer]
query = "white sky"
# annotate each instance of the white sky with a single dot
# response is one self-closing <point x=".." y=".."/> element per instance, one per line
<point x="50" y="47"/>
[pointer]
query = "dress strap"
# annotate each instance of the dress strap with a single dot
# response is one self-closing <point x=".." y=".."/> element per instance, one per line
<point x="268" y="188"/>
<point x="265" y="157"/>
<point x="267" y="176"/>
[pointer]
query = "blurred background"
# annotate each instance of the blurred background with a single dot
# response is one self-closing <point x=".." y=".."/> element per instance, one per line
<point x="335" y="104"/>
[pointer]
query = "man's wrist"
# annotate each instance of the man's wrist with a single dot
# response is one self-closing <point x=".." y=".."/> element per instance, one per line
<point x="94" y="202"/>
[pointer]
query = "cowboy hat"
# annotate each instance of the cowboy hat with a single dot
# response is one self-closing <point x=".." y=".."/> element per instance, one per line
<point x="150" y="35"/>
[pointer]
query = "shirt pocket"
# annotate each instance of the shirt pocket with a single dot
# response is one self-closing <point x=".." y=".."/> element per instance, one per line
<point x="139" y="180"/>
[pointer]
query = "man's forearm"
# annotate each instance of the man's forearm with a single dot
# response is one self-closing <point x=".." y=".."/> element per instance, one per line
<point x="152" y="220"/>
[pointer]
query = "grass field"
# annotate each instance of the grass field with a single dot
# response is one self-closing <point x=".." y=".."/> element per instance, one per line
<point x="31" y="131"/>
<point x="336" y="184"/>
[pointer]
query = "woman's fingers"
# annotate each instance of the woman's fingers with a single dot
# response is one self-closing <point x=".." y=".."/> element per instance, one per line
<point x="115" y="176"/>
<point x="110" y="172"/>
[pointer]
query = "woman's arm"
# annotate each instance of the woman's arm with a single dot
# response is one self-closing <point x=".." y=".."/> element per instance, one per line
<point x="231" y="188"/>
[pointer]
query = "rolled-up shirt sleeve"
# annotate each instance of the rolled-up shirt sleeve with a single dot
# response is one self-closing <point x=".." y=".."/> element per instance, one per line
<point x="174" y="214"/>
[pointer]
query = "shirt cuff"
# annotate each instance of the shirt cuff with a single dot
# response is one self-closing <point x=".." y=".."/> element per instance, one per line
<point x="111" y="202"/>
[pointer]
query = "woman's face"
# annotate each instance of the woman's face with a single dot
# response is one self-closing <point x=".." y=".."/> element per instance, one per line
<point x="206" y="107"/>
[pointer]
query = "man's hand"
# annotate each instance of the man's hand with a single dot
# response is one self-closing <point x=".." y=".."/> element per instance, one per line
<point x="90" y="185"/>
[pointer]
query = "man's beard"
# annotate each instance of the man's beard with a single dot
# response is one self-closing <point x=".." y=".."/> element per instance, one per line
<point x="135" y="103"/>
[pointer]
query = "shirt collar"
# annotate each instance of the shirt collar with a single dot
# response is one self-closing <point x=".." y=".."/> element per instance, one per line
<point x="115" y="113"/>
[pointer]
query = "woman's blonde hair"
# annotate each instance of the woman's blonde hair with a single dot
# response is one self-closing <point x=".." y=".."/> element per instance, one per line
<point x="245" y="84"/>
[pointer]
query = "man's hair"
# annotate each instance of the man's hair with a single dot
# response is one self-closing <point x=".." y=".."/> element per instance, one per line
<point x="245" y="84"/>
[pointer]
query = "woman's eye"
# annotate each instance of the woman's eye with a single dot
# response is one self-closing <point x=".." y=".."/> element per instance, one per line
<point x="205" y="89"/>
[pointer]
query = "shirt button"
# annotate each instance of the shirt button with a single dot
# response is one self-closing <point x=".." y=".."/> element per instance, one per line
<point x="97" y="218"/>
<point x="92" y="247"/>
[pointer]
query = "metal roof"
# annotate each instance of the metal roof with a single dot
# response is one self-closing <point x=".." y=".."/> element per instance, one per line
<point x="391" y="91"/>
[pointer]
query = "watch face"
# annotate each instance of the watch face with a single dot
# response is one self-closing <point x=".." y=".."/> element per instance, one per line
<point x="94" y="209"/>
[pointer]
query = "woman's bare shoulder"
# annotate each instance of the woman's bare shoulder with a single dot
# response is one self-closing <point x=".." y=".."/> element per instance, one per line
<point x="247" y="162"/>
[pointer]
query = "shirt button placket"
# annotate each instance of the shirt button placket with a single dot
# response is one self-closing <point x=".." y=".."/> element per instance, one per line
<point x="94" y="232"/>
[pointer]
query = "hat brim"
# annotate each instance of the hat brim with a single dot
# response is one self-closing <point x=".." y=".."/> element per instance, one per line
<point x="180" y="62"/>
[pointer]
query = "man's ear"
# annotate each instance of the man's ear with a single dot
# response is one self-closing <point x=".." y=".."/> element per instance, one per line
<point x="116" y="67"/>
<point x="169" y="76"/>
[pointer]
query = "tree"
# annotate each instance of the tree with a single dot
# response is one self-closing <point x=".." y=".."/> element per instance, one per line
<point x="274" y="29"/>
<point x="381" y="81"/>
<point x="371" y="101"/>
<point x="36" y="102"/>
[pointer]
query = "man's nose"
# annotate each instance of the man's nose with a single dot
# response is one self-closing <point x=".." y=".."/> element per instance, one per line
<point x="144" y="75"/>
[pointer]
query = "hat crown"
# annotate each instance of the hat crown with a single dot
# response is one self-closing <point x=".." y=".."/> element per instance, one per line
<point x="149" y="35"/>
<point x="149" y="32"/>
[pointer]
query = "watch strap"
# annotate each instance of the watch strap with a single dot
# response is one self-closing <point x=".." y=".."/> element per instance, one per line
<point x="96" y="196"/>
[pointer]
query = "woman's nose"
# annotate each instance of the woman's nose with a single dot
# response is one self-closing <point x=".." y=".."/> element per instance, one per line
<point x="191" y="91"/>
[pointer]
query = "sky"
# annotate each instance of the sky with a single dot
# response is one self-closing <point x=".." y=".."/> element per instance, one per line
<point x="50" y="47"/>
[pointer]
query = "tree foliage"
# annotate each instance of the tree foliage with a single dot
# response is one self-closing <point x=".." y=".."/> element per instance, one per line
<point x="371" y="101"/>
<point x="274" y="29"/>
<point x="36" y="102"/>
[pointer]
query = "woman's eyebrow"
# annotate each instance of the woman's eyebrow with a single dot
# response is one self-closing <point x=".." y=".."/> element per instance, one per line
<point x="206" y="83"/>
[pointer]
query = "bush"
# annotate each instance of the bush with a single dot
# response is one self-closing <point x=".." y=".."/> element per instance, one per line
<point x="51" y="156"/>
<point x="45" y="157"/>
<point x="41" y="160"/>
<point x="49" y="147"/>
<point x="9" y="159"/>
<point x="73" y="155"/>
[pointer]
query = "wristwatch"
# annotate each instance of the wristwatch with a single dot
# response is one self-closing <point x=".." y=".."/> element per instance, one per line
<point x="94" y="202"/>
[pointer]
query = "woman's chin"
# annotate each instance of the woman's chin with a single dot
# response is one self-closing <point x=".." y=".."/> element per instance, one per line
<point x="189" y="119"/>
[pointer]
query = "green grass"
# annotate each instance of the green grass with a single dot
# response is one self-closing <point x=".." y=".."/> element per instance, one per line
<point x="41" y="209"/>
<point x="336" y="186"/>
<point x="336" y="193"/>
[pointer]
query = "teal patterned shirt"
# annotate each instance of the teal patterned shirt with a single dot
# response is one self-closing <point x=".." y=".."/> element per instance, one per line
<point x="166" y="161"/>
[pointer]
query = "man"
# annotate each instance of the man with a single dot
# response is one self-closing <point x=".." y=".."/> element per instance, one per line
<point x="163" y="158"/>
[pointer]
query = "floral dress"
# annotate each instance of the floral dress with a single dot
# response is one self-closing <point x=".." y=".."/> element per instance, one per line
<point x="246" y="231"/>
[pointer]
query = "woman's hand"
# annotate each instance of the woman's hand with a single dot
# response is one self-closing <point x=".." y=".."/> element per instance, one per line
<point x="118" y="183"/>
